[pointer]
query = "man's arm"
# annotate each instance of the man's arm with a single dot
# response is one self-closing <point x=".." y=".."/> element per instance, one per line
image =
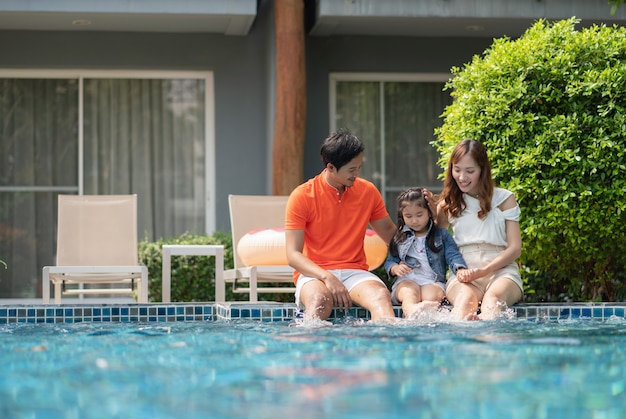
<point x="385" y="228"/>
<point x="294" y="243"/>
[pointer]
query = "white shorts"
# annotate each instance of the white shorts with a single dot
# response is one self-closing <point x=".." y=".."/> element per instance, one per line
<point x="348" y="277"/>
<point x="477" y="255"/>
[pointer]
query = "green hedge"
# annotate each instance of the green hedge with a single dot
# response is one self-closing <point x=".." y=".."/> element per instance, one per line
<point x="551" y="109"/>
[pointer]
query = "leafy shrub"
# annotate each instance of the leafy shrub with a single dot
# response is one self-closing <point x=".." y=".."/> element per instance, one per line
<point x="551" y="109"/>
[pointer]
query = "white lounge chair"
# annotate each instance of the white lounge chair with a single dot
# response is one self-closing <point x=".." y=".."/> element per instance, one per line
<point x="96" y="246"/>
<point x="248" y="213"/>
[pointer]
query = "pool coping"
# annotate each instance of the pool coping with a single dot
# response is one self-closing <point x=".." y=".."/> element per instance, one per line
<point x="261" y="311"/>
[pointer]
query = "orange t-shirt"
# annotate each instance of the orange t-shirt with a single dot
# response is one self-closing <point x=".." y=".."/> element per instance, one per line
<point x="334" y="227"/>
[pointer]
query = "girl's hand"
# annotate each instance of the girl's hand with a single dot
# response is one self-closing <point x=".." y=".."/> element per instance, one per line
<point x="401" y="269"/>
<point x="466" y="275"/>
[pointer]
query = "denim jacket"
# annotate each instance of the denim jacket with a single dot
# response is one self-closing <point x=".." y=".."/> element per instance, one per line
<point x="449" y="254"/>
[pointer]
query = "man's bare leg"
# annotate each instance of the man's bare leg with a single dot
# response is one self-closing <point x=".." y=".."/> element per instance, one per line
<point x="375" y="297"/>
<point x="317" y="300"/>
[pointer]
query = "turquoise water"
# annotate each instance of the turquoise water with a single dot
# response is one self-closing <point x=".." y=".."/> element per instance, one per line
<point x="503" y="369"/>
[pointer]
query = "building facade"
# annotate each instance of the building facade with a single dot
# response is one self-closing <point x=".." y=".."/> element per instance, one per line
<point x="175" y="101"/>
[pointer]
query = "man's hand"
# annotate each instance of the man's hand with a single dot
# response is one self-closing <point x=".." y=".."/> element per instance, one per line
<point x="341" y="296"/>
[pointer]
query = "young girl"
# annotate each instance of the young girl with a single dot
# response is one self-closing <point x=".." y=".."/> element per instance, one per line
<point x="418" y="255"/>
<point x="485" y="224"/>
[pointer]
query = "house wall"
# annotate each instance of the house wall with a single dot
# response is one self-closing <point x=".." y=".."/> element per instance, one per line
<point x="241" y="75"/>
<point x="244" y="83"/>
<point x="367" y="54"/>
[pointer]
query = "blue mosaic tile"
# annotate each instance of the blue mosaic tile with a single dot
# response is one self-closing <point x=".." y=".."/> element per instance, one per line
<point x="270" y="312"/>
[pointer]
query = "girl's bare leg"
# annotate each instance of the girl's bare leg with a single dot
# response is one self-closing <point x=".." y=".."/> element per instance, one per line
<point x="416" y="299"/>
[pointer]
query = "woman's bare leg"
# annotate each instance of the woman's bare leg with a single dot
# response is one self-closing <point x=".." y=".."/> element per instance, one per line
<point x="502" y="294"/>
<point x="464" y="299"/>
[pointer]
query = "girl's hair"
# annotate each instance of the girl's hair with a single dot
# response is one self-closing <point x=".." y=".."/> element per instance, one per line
<point x="452" y="196"/>
<point x="412" y="195"/>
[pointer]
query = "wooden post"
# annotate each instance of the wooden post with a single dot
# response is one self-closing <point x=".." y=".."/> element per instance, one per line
<point x="290" y="111"/>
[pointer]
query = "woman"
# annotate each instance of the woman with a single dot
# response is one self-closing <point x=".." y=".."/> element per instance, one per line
<point x="485" y="225"/>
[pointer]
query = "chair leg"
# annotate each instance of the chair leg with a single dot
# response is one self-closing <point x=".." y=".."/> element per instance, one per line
<point x="254" y="295"/>
<point x="57" y="293"/>
<point x="45" y="285"/>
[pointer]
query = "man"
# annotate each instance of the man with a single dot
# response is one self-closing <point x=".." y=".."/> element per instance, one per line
<point x="325" y="223"/>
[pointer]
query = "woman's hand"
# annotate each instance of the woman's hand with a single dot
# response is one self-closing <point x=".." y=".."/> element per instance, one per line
<point x="432" y="202"/>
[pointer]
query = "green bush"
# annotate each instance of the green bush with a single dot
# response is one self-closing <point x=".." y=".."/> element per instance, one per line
<point x="193" y="277"/>
<point x="551" y="109"/>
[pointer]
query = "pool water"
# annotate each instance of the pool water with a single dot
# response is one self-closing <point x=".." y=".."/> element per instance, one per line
<point x="508" y="368"/>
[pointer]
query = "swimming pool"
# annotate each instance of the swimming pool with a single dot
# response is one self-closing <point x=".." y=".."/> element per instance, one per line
<point x="510" y="368"/>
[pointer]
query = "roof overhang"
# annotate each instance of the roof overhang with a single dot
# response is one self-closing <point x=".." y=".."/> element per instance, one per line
<point x="417" y="18"/>
<point x="228" y="17"/>
<point x="453" y="18"/>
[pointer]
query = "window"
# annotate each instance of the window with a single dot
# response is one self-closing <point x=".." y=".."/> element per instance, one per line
<point x="395" y="116"/>
<point x="148" y="133"/>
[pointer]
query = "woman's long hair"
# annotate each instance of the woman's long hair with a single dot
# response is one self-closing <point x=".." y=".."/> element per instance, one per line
<point x="452" y="197"/>
<point x="405" y="198"/>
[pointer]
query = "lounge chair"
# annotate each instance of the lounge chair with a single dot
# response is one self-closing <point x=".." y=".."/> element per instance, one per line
<point x="249" y="213"/>
<point x="96" y="247"/>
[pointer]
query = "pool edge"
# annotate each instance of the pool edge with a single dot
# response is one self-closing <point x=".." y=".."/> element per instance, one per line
<point x="262" y="311"/>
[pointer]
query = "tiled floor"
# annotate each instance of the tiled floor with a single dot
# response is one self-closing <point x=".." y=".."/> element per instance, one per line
<point x="265" y="311"/>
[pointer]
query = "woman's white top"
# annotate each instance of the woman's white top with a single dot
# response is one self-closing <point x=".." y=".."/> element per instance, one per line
<point x="469" y="229"/>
